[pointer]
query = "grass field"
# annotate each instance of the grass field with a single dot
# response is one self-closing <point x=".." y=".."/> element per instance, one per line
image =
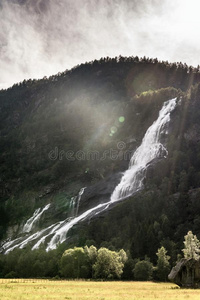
<point x="49" y="290"/>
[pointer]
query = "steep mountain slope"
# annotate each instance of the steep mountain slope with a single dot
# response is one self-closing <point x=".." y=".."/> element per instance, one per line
<point x="73" y="130"/>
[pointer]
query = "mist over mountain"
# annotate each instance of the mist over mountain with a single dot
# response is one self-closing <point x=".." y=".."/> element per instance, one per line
<point x="42" y="37"/>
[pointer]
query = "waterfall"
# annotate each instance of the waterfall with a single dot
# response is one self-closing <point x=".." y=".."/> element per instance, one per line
<point x="55" y="227"/>
<point x="75" y="202"/>
<point x="132" y="179"/>
<point x="150" y="148"/>
<point x="131" y="182"/>
<point x="72" y="206"/>
<point x="34" y="219"/>
<point x="46" y="232"/>
<point x="79" y="199"/>
<point x="27" y="240"/>
<point x="60" y="235"/>
<point x="28" y="225"/>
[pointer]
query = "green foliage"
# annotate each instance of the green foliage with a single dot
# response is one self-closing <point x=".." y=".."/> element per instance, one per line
<point x="25" y="263"/>
<point x="87" y="262"/>
<point x="74" y="263"/>
<point x="11" y="274"/>
<point x="91" y="254"/>
<point x="109" y="264"/>
<point x="128" y="269"/>
<point x="77" y="262"/>
<point x="143" y="270"/>
<point x="163" y="265"/>
<point x="123" y="256"/>
<point x="191" y="246"/>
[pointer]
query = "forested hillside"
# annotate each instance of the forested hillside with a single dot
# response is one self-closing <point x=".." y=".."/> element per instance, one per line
<point x="79" y="129"/>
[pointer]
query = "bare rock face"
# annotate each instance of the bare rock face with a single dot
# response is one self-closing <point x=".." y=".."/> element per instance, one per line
<point x="186" y="273"/>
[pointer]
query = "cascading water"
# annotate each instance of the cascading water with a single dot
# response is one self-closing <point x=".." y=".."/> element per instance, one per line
<point x="131" y="181"/>
<point x="21" y="242"/>
<point x="150" y="148"/>
<point x="75" y="202"/>
<point x="46" y="232"/>
<point x="79" y="199"/>
<point x="34" y="219"/>
<point x="72" y="206"/>
<point x="28" y="225"/>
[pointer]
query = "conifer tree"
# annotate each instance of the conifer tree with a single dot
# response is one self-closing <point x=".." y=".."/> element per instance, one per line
<point x="192" y="246"/>
<point x="163" y="266"/>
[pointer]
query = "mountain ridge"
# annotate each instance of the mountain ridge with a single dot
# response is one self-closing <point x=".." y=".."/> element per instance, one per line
<point x="80" y="110"/>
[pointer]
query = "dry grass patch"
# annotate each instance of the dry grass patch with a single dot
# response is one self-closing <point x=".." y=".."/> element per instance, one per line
<point x="83" y="290"/>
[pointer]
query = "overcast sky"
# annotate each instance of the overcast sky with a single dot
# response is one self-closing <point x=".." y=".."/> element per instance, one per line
<point x="44" y="37"/>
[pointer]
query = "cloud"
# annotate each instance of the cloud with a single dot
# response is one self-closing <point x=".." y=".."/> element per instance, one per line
<point x="43" y="37"/>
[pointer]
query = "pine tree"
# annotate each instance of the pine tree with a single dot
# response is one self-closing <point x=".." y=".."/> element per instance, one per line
<point x="192" y="246"/>
<point x="163" y="265"/>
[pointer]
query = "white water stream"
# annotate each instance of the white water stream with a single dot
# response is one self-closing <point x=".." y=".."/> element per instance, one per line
<point x="150" y="148"/>
<point x="34" y="219"/>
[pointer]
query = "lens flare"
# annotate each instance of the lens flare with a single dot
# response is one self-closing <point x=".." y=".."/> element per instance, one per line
<point x="113" y="129"/>
<point x="121" y="119"/>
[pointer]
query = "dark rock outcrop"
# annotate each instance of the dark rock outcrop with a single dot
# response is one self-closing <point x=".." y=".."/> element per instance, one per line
<point x="99" y="192"/>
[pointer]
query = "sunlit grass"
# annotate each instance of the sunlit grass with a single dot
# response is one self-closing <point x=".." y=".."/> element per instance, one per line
<point x="20" y="289"/>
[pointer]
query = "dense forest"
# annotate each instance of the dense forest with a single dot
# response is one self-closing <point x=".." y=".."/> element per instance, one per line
<point x="83" y="262"/>
<point x="93" y="108"/>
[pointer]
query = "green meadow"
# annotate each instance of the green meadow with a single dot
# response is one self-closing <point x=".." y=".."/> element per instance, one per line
<point x="31" y="289"/>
